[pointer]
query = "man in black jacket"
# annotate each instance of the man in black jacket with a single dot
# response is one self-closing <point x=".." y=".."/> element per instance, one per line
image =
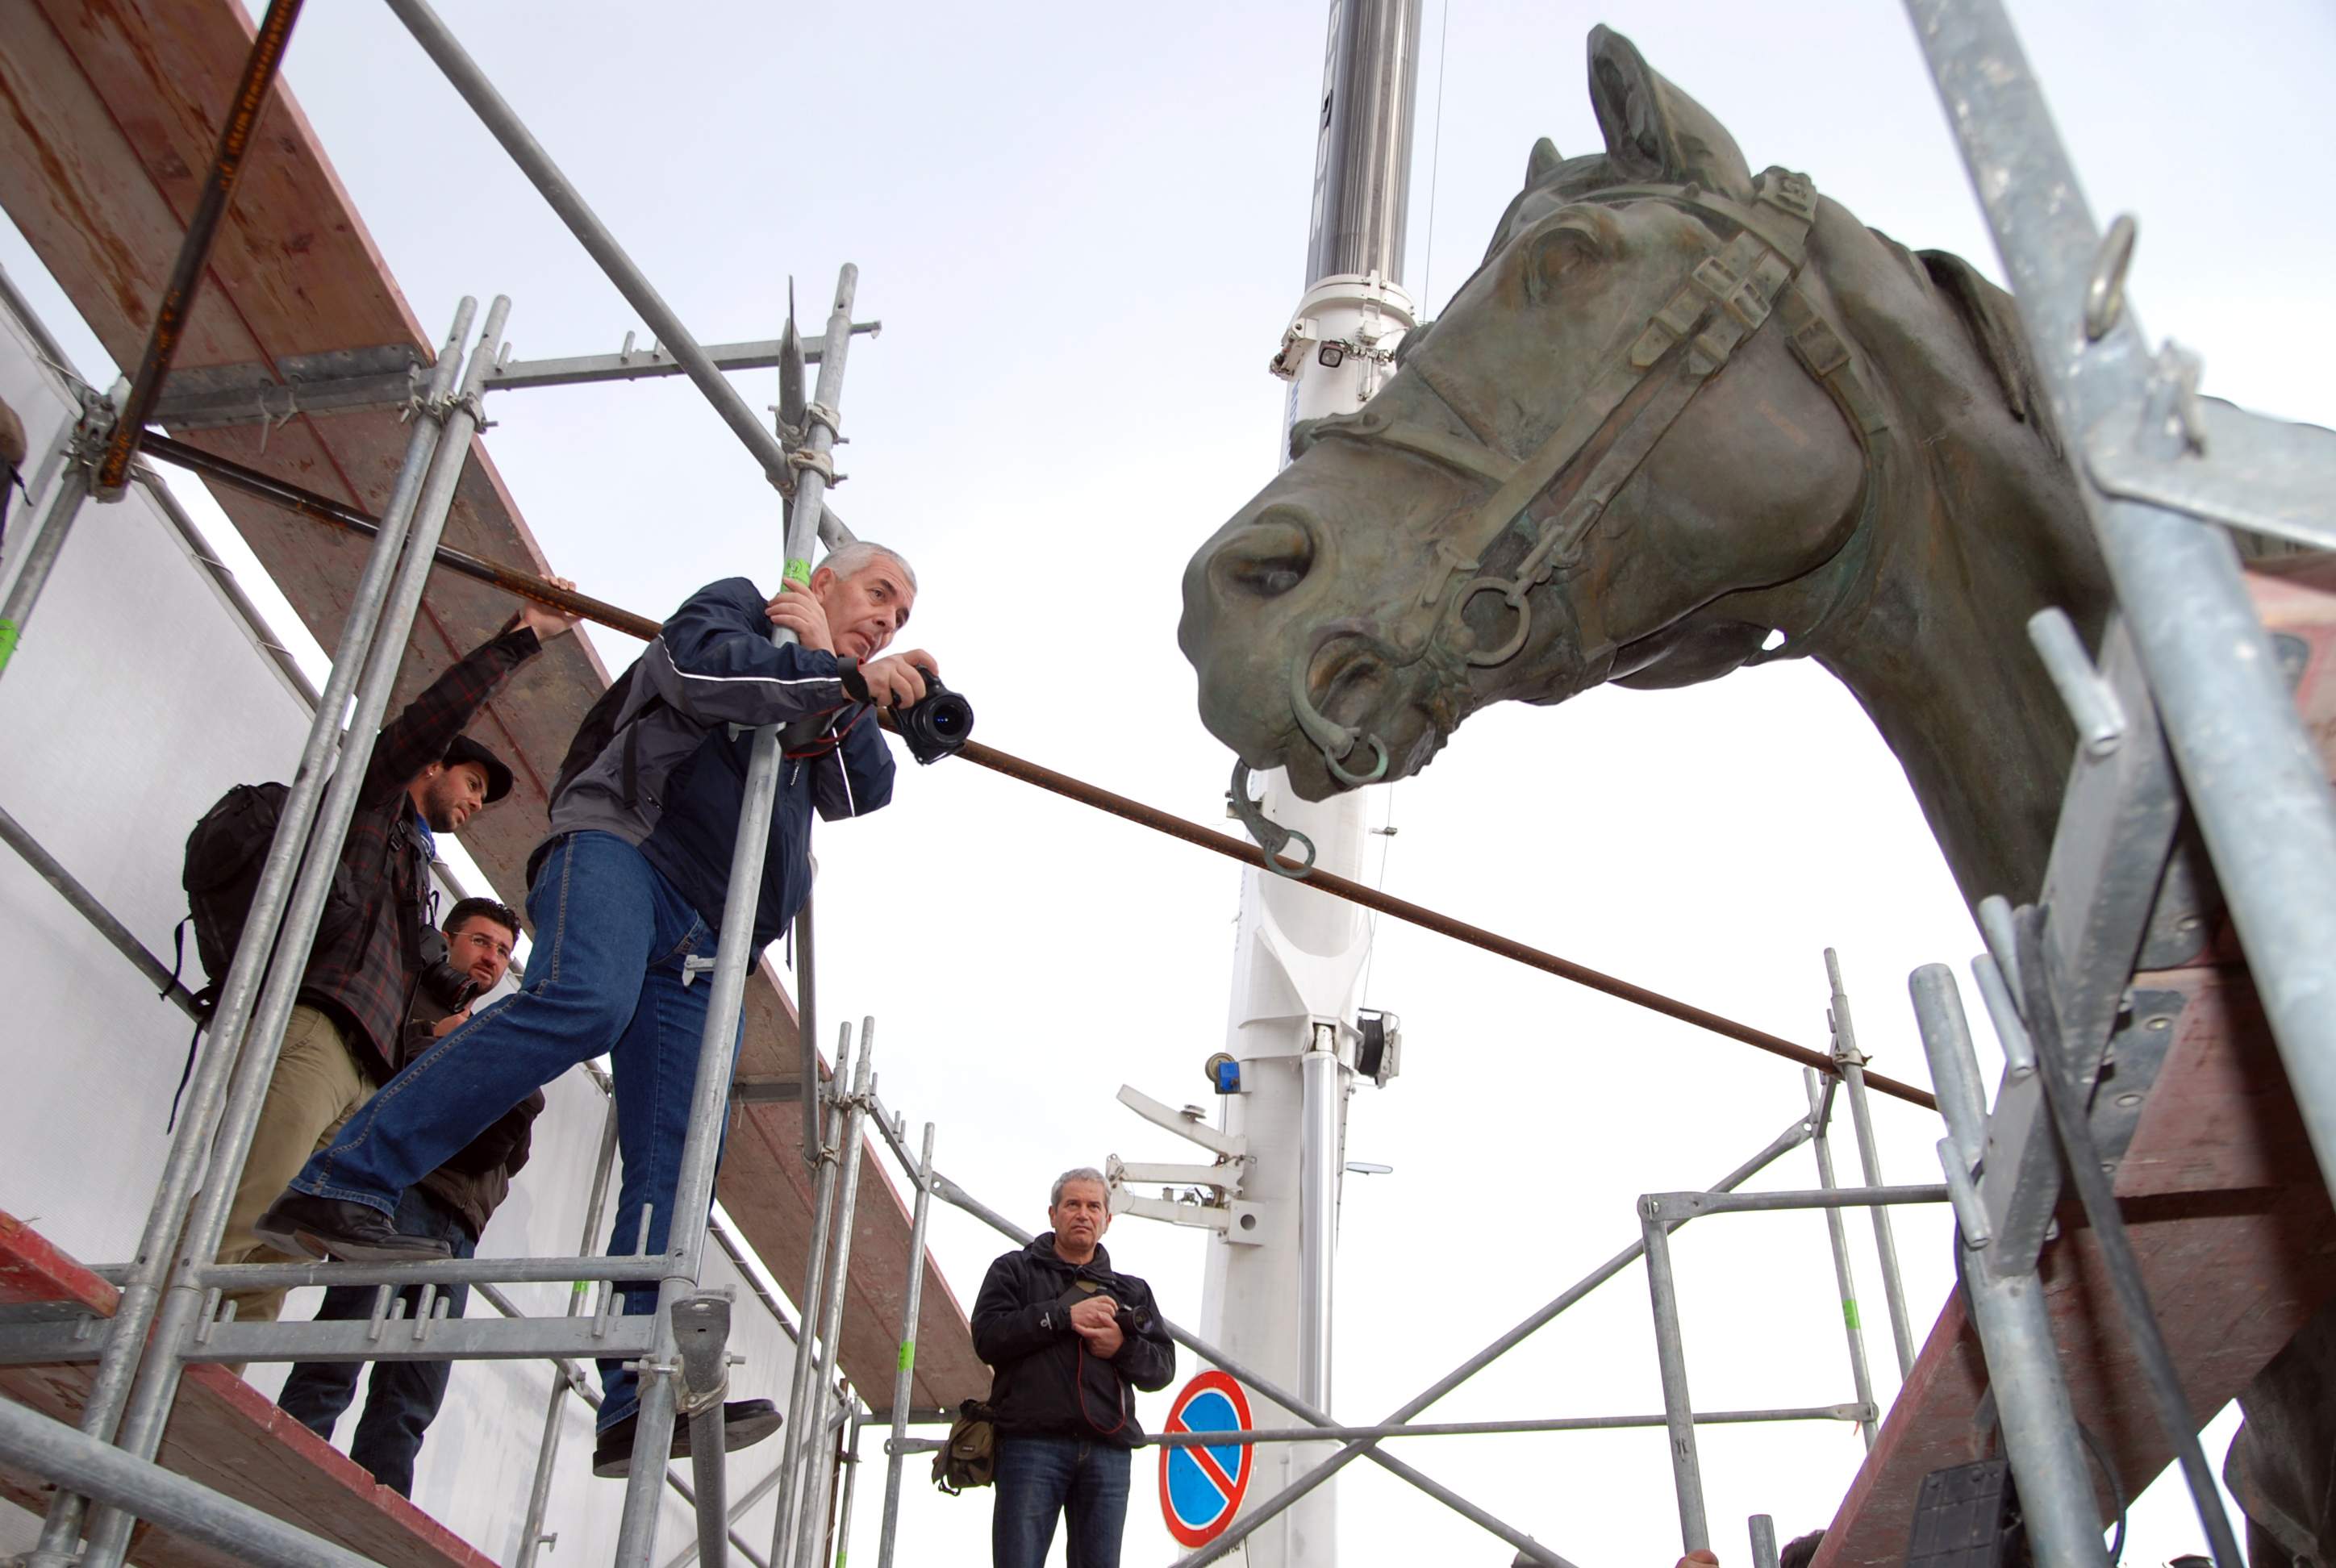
<point x="453" y="1204"/>
<point x="1066" y="1338"/>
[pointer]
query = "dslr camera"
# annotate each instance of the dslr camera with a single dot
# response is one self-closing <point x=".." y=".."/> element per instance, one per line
<point x="939" y="724"/>
<point x="444" y="984"/>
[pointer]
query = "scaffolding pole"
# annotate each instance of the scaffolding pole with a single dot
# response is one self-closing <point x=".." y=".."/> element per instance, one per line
<point x="848" y="1461"/>
<point x="904" y="1376"/>
<point x="1844" y="1279"/>
<point x="178" y="1320"/>
<point x="238" y="989"/>
<point x="90" y="908"/>
<point x="531" y="1538"/>
<point x="37" y="1445"/>
<point x="811" y="1485"/>
<point x="1671" y="1358"/>
<point x="1850" y="1067"/>
<point x="1254" y="1435"/>
<point x="2008" y="1308"/>
<point x="49" y="536"/>
<point x="178" y="301"/>
<point x="674" y="338"/>
<point x="799" y="1384"/>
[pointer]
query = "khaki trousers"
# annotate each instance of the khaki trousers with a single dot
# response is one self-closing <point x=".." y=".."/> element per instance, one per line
<point x="316" y="1085"/>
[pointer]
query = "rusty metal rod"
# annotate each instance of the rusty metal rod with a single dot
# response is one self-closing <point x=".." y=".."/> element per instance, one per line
<point x="528" y="586"/>
<point x="1248" y="854"/>
<point x="195" y="250"/>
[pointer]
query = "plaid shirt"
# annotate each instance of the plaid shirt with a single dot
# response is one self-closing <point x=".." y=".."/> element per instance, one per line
<point x="364" y="979"/>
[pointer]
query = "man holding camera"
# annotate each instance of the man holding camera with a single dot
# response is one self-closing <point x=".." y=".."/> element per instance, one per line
<point x="1066" y="1338"/>
<point x="453" y="1203"/>
<point x="347" y="1031"/>
<point x="628" y="894"/>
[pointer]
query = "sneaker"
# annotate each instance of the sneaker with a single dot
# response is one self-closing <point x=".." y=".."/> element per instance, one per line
<point x="330" y="1228"/>
<point x="744" y="1423"/>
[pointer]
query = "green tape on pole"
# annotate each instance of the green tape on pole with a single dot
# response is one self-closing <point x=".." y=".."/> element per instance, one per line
<point x="579" y="1287"/>
<point x="798" y="571"/>
<point x="8" y="641"/>
<point x="908" y="1354"/>
<point x="1849" y="1311"/>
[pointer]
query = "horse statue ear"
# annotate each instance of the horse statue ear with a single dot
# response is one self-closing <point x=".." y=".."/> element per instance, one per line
<point x="1541" y="162"/>
<point x="1654" y="131"/>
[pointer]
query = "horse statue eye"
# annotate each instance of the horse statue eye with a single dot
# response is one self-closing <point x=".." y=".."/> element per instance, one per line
<point x="1267" y="560"/>
<point x="1557" y="256"/>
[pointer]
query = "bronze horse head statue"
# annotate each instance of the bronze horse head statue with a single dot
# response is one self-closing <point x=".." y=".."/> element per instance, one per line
<point x="1682" y="420"/>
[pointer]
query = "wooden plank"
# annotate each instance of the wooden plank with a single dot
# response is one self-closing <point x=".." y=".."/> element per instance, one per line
<point x="223" y="1433"/>
<point x="107" y="120"/>
<point x="32" y="1273"/>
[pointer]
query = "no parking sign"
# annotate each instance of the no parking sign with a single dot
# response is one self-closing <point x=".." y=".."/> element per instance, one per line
<point x="1200" y="1487"/>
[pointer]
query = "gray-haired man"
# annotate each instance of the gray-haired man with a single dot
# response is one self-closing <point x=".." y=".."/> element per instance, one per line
<point x="1066" y="1338"/>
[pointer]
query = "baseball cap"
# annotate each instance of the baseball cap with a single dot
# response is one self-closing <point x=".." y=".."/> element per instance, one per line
<point x="499" y="777"/>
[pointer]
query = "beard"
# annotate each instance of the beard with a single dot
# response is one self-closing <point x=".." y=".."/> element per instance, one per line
<point x="439" y="801"/>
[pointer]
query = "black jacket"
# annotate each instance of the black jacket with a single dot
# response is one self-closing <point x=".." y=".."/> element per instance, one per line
<point x="1044" y="1379"/>
<point x="672" y="777"/>
<point x="476" y="1180"/>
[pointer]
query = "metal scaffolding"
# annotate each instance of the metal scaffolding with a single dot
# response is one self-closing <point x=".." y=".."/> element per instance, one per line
<point x="168" y="1315"/>
<point x="2184" y="710"/>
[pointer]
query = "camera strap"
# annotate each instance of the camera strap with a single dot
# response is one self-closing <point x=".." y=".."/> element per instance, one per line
<point x="795" y="746"/>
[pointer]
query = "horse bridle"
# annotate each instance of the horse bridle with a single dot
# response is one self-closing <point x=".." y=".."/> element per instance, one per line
<point x="1544" y="507"/>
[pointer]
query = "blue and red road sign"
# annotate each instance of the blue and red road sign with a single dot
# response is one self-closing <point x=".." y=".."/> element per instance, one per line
<point x="1201" y="1489"/>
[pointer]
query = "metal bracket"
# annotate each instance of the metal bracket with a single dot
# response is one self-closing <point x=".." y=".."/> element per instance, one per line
<point x="2246" y="471"/>
<point x="701" y="1330"/>
<point x="1186" y="1123"/>
<point x="1225" y="1178"/>
<point x="2136" y="1051"/>
<point x="1236" y="1222"/>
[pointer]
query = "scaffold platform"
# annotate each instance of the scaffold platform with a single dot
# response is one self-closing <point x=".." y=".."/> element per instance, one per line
<point x="223" y="1433"/>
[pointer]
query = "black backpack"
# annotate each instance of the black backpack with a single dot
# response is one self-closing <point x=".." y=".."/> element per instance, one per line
<point x="225" y="853"/>
<point x="225" y="856"/>
<point x="597" y="730"/>
<point x="593" y="735"/>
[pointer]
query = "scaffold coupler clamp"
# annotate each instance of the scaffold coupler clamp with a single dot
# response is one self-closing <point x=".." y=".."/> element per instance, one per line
<point x="816" y="461"/>
<point x="695" y="965"/>
<point x="701" y="1331"/>
<point x="93" y="428"/>
<point x="1845" y="1051"/>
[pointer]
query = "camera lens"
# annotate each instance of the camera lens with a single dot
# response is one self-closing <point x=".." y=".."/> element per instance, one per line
<point x="949" y="720"/>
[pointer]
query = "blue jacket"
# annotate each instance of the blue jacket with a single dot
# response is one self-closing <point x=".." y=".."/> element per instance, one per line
<point x="672" y="778"/>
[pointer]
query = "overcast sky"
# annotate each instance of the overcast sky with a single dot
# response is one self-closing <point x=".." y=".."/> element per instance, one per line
<point x="1084" y="228"/>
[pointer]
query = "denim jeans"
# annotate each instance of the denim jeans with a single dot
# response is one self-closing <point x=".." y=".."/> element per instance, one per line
<point x="603" y="977"/>
<point x="1039" y="1477"/>
<point x="404" y="1396"/>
